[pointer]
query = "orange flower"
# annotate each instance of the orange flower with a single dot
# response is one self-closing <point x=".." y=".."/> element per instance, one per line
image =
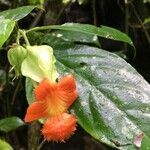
<point x="52" y="99"/>
<point x="59" y="128"/>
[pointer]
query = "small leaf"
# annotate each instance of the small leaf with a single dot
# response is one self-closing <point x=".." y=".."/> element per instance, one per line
<point x="4" y="145"/>
<point x="17" y="13"/>
<point x="39" y="63"/>
<point x="10" y="123"/>
<point x="147" y="20"/>
<point x="6" y="27"/>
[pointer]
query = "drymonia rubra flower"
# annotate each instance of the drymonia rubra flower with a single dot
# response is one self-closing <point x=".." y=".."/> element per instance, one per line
<point x="52" y="99"/>
<point x="59" y="128"/>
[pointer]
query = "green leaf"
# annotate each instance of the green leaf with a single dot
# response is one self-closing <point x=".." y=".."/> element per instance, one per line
<point x="103" y="31"/>
<point x="4" y="145"/>
<point x="10" y="123"/>
<point x="147" y="20"/>
<point x="6" y="27"/>
<point x="63" y="39"/>
<point x="114" y="99"/>
<point x="71" y="36"/>
<point x="145" y="143"/>
<point x="17" y="13"/>
<point x="35" y="38"/>
<point x="53" y="41"/>
<point x="48" y="39"/>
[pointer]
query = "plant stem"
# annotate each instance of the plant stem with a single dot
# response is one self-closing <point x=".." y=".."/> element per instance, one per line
<point x="142" y="25"/>
<point x="16" y="91"/>
<point x="34" y="83"/>
<point x="126" y="21"/>
<point x="94" y="12"/>
<point x="39" y="28"/>
<point x="18" y="37"/>
<point x="39" y="15"/>
<point x="41" y="145"/>
<point x="23" y="33"/>
<point x="34" y="135"/>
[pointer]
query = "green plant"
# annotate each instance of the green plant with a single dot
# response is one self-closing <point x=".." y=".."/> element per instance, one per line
<point x="114" y="99"/>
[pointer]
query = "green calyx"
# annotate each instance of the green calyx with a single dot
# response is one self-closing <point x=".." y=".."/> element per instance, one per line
<point x="39" y="63"/>
<point x="16" y="55"/>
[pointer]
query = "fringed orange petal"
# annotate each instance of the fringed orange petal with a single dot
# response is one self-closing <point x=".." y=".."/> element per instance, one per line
<point x="36" y="111"/>
<point x="66" y="89"/>
<point x="43" y="89"/>
<point x="59" y="128"/>
<point x="67" y="83"/>
<point x="58" y="96"/>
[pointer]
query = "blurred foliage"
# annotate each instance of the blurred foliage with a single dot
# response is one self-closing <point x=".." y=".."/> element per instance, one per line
<point x="4" y="145"/>
<point x="10" y="123"/>
<point x="146" y="1"/>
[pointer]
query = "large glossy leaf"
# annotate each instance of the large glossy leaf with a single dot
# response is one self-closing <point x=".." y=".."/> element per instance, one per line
<point x="6" y="27"/>
<point x="60" y="38"/>
<point x="4" y="145"/>
<point x="103" y="31"/>
<point x="72" y="36"/>
<point x="17" y="13"/>
<point x="10" y="123"/>
<point x="145" y="143"/>
<point x="114" y="100"/>
<point x="53" y="41"/>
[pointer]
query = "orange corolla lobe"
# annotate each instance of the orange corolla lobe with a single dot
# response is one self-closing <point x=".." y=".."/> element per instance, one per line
<point x="36" y="111"/>
<point x="59" y="128"/>
<point x="52" y="99"/>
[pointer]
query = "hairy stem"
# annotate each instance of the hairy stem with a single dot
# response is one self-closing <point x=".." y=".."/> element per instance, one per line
<point x="94" y="12"/>
<point x="142" y="24"/>
<point x="41" y="145"/>
<point x="23" y="33"/>
<point x="34" y="136"/>
<point x="126" y="21"/>
<point x="15" y="92"/>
